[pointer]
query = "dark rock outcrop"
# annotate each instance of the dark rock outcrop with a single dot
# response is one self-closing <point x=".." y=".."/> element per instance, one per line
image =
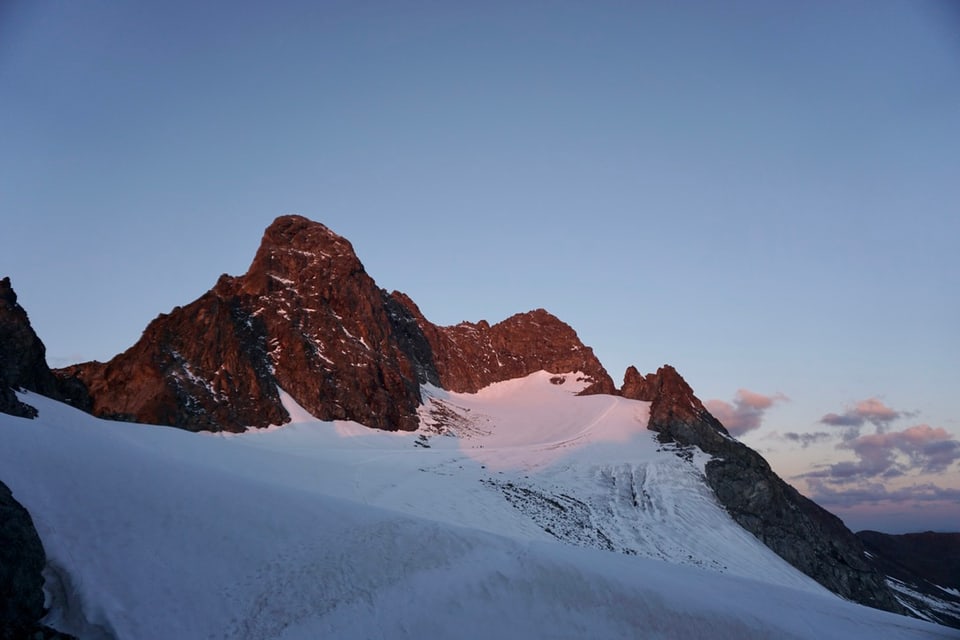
<point x="797" y="529"/>
<point x="23" y="363"/>
<point x="307" y="318"/>
<point x="926" y="564"/>
<point x="21" y="563"/>
<point x="932" y="556"/>
<point x="22" y="560"/>
<point x="470" y="356"/>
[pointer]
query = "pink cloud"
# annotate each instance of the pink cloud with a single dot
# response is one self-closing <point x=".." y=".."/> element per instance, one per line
<point x="918" y="449"/>
<point x="931" y="450"/>
<point x="871" y="410"/>
<point x="746" y="411"/>
<point x="860" y="489"/>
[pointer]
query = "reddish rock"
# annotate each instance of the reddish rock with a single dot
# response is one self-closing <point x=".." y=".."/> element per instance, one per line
<point x="23" y="363"/>
<point x="470" y="356"/>
<point x="307" y="318"/>
<point x="674" y="411"/>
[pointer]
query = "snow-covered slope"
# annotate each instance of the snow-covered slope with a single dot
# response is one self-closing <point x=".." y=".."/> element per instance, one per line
<point x="497" y="518"/>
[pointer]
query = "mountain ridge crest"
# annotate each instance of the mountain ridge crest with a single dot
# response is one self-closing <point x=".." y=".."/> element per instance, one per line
<point x="306" y="317"/>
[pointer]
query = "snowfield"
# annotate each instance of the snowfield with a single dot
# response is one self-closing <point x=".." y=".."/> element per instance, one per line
<point x="522" y="511"/>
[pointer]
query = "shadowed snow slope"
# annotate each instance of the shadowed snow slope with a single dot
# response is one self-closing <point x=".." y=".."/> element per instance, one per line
<point x="522" y="511"/>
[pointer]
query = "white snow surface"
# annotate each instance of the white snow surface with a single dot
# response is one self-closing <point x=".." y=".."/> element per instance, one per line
<point x="522" y="511"/>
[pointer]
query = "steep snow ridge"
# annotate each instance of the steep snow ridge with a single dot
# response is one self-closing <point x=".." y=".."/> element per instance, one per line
<point x="334" y="530"/>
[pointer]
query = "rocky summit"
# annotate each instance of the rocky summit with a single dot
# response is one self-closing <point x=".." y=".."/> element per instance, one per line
<point x="23" y="361"/>
<point x="307" y="319"/>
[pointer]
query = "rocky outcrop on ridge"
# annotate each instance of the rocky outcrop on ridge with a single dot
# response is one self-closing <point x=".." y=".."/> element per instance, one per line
<point x="23" y="363"/>
<point x="307" y="318"/>
<point x="472" y="355"/>
<point x="797" y="529"/>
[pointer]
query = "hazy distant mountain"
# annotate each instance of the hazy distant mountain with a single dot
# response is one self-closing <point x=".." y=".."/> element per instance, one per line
<point x="923" y="569"/>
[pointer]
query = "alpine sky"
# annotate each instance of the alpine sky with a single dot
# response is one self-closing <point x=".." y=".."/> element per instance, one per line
<point x="762" y="194"/>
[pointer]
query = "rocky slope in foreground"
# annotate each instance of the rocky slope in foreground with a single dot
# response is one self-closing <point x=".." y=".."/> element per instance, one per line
<point x="307" y="318"/>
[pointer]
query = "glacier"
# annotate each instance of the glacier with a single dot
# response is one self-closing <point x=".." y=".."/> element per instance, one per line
<point x="521" y="511"/>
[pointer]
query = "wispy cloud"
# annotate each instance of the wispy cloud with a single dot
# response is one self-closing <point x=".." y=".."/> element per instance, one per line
<point x="872" y="505"/>
<point x="746" y="411"/>
<point x="871" y="410"/>
<point x="877" y="493"/>
<point x="807" y="439"/>
<point x="890" y="454"/>
<point x="873" y="486"/>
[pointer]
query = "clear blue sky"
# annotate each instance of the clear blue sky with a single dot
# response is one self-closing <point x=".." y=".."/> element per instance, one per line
<point x="763" y="194"/>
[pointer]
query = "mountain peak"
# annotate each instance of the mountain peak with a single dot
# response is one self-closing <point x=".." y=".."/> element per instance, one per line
<point x="297" y="252"/>
<point x="307" y="319"/>
<point x="295" y="233"/>
<point x="23" y="363"/>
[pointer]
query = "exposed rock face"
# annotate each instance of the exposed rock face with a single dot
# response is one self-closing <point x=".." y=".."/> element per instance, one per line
<point x="22" y="560"/>
<point x="470" y="356"/>
<point x="23" y="363"/>
<point x="306" y="317"/>
<point x="21" y="563"/>
<point x="801" y="532"/>
<point x="927" y="564"/>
